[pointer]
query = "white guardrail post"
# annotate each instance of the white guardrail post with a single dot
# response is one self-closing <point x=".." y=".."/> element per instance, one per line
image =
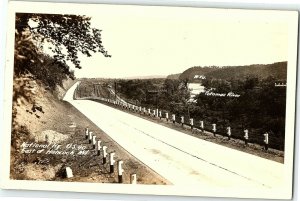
<point x="86" y="133"/>
<point x="214" y="129"/>
<point x="111" y="162"/>
<point x="120" y="172"/>
<point x="99" y="147"/>
<point x="90" y="137"/>
<point x="266" y="141"/>
<point x="104" y="148"/>
<point x="182" y="120"/>
<point x="133" y="178"/>
<point x="69" y="172"/>
<point x="94" y="141"/>
<point x="173" y="118"/>
<point x="246" y="136"/>
<point x="228" y="132"/>
<point x="202" y="126"/>
<point x="192" y="123"/>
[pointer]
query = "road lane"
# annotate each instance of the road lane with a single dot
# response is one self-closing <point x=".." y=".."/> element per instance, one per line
<point x="180" y="158"/>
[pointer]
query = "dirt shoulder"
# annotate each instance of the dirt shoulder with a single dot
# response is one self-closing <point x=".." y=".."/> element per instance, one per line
<point x="237" y="144"/>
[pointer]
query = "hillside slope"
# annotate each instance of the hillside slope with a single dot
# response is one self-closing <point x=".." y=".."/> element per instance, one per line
<point x="173" y="76"/>
<point x="53" y="121"/>
<point x="261" y="71"/>
<point x="276" y="70"/>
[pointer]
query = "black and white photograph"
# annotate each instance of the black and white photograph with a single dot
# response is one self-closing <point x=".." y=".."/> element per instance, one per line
<point x="150" y="100"/>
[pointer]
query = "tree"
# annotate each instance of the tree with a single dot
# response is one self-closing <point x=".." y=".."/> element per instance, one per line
<point x="65" y="35"/>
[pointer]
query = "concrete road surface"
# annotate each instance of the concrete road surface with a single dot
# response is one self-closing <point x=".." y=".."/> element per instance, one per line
<point x="180" y="158"/>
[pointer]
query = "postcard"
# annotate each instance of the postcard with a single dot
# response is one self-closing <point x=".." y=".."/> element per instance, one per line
<point x="153" y="100"/>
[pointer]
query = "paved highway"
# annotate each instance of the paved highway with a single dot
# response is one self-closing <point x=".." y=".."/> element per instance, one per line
<point x="180" y="158"/>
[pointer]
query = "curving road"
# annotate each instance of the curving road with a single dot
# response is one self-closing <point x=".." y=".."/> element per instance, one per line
<point x="180" y="158"/>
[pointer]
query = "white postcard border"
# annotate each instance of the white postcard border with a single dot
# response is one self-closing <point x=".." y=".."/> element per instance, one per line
<point x="283" y="192"/>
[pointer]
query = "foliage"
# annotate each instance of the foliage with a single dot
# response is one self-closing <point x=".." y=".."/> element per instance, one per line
<point x="50" y="72"/>
<point x="260" y="108"/>
<point x="173" y="76"/>
<point x="26" y="52"/>
<point x="65" y="35"/>
<point x="261" y="71"/>
<point x="156" y="92"/>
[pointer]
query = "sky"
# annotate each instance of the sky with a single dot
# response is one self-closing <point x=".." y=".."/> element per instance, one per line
<point x="145" y="41"/>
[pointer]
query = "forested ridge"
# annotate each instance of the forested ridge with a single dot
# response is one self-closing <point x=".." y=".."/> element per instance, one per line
<point x="276" y="70"/>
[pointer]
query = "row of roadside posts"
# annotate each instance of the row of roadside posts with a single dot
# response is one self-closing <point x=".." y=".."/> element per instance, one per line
<point x="158" y="113"/>
<point x="99" y="148"/>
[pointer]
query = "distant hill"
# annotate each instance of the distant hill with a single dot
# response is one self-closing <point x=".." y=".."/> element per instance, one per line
<point x="145" y="77"/>
<point x="277" y="70"/>
<point x="174" y="76"/>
